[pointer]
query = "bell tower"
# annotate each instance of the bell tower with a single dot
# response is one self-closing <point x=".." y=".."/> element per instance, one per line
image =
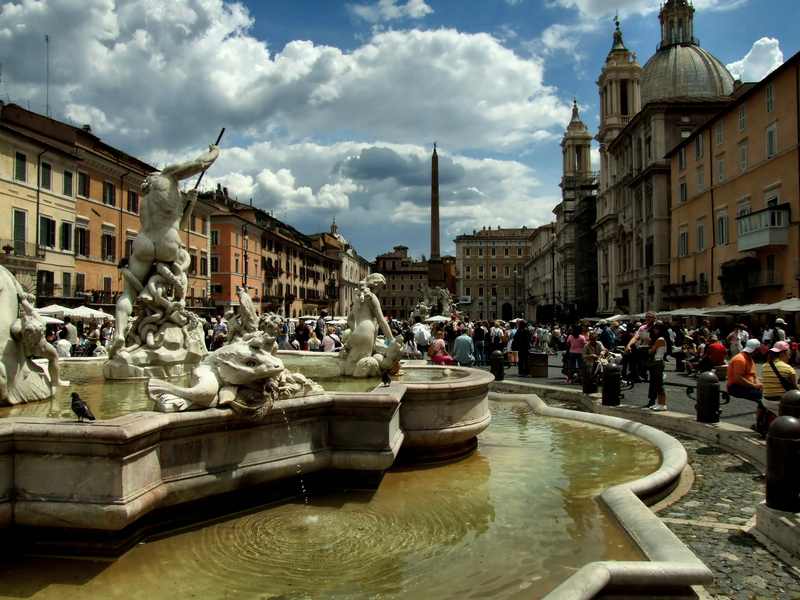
<point x="677" y="23"/>
<point x="576" y="147"/>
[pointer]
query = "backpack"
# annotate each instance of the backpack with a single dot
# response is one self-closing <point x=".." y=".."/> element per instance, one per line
<point x="422" y="336"/>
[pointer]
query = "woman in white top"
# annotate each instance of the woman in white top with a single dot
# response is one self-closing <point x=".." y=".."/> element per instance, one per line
<point x="657" y="351"/>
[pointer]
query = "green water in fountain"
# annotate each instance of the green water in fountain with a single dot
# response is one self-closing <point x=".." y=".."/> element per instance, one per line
<point x="109" y="399"/>
<point x="511" y="521"/>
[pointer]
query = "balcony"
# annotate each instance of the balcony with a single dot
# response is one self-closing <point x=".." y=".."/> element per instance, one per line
<point x="21" y="249"/>
<point x="685" y="290"/>
<point x="767" y="227"/>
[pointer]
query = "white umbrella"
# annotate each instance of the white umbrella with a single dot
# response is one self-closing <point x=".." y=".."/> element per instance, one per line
<point x="736" y="309"/>
<point x="54" y="310"/>
<point x="437" y="319"/>
<point x="788" y="305"/>
<point x="51" y="320"/>
<point x="84" y="312"/>
<point x="685" y="312"/>
<point x="308" y="318"/>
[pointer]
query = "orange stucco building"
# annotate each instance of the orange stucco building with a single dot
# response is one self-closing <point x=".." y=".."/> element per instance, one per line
<point x="735" y="226"/>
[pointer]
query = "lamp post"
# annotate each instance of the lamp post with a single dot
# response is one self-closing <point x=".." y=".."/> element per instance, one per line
<point x="515" y="312"/>
<point x="245" y="244"/>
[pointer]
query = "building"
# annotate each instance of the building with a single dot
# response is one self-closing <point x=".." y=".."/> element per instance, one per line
<point x="644" y="113"/>
<point x="575" y="238"/>
<point x="279" y="266"/>
<point x="735" y="186"/>
<point x="354" y="268"/>
<point x="406" y="281"/>
<point x="491" y="279"/>
<point x="539" y="270"/>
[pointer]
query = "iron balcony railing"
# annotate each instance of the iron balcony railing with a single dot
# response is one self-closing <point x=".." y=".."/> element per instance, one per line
<point x="21" y="249"/>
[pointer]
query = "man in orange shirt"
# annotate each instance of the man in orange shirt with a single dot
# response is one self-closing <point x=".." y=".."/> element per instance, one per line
<point x="742" y="379"/>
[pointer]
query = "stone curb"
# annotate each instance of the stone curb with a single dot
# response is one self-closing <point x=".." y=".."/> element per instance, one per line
<point x="737" y="440"/>
<point x="671" y="563"/>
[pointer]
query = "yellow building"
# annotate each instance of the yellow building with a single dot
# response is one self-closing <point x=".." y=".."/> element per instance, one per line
<point x="734" y="206"/>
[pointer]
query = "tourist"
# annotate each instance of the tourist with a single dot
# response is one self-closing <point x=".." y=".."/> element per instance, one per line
<point x="422" y="335"/>
<point x="410" y="349"/>
<point x="655" y="365"/>
<point x="777" y="377"/>
<point x="639" y="346"/>
<point x="714" y="355"/>
<point x="737" y="339"/>
<point x="767" y="335"/>
<point x="437" y="348"/>
<point x="606" y="336"/>
<point x="319" y="327"/>
<point x="331" y="342"/>
<point x="479" y="335"/>
<point x="106" y="333"/>
<point x="313" y="342"/>
<point x="573" y="364"/>
<point x="497" y="337"/>
<point x="302" y="334"/>
<point x="591" y="354"/>
<point x="63" y="346"/>
<point x="72" y="333"/>
<point x="743" y="381"/>
<point x="464" y="349"/>
<point x="779" y="332"/>
<point x="520" y="344"/>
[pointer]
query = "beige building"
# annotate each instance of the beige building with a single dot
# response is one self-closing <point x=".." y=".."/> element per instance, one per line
<point x="353" y="270"/>
<point x="406" y="281"/>
<point x="680" y="87"/>
<point x="540" y="289"/>
<point x="491" y="277"/>
<point x="735" y="186"/>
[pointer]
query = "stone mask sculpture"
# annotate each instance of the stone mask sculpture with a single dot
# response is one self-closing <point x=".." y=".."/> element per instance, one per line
<point x="165" y="335"/>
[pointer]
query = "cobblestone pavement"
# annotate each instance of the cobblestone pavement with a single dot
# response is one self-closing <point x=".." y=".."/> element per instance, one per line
<point x="712" y="520"/>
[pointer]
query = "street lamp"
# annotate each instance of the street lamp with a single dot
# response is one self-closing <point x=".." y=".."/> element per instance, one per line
<point x="245" y="240"/>
<point x="515" y="294"/>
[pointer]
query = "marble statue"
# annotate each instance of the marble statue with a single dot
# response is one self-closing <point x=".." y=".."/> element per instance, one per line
<point x="22" y="337"/>
<point x="165" y="335"/>
<point x="244" y="321"/>
<point x="362" y="356"/>
<point x="245" y="376"/>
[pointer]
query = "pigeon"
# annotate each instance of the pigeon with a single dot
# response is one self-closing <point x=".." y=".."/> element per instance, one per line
<point x="80" y="408"/>
<point x="386" y="379"/>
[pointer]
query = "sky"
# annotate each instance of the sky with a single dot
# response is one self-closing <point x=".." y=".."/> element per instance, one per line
<point x="331" y="108"/>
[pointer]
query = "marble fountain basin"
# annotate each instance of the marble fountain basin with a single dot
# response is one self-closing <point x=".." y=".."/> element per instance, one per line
<point x="57" y="473"/>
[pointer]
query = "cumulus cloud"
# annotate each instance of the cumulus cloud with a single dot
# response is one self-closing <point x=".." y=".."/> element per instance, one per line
<point x="390" y="10"/>
<point x="566" y="37"/>
<point x="156" y="67"/>
<point x="763" y="57"/>
<point x="598" y="8"/>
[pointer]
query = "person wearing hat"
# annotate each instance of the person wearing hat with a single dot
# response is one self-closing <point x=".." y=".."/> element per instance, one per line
<point x="742" y="378"/>
<point x="777" y="377"/>
<point x="779" y="333"/>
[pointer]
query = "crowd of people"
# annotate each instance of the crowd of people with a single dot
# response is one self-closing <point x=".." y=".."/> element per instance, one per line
<point x="81" y="337"/>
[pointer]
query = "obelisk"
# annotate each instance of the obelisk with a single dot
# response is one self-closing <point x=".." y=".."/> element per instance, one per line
<point x="436" y="276"/>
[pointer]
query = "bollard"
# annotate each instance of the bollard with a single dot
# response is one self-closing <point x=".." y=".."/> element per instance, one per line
<point x="783" y="456"/>
<point x="790" y="404"/>
<point x="707" y="404"/>
<point x="496" y="365"/>
<point x="612" y="384"/>
<point x="538" y="364"/>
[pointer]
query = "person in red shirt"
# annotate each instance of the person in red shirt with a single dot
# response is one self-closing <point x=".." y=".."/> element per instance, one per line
<point x="714" y="355"/>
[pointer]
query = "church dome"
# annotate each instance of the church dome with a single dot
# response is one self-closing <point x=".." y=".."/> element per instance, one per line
<point x="684" y="70"/>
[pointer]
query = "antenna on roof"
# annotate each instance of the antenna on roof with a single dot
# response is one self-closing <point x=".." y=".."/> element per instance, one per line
<point x="47" y="75"/>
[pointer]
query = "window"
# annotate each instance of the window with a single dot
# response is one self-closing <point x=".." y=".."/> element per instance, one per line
<point x="493" y="251"/>
<point x="20" y="167"/>
<point x="648" y="252"/>
<point x="480" y="251"/>
<point x="466" y="251"/>
<point x="519" y="251"/>
<point x="46" y="176"/>
<point x="467" y="292"/>
<point x="128" y="248"/>
<point x="203" y="263"/>
<point x="66" y="284"/>
<point x="770" y="269"/>
<point x="742" y="118"/>
<point x="66" y="236"/>
<point x="83" y="184"/>
<point x="506" y="251"/>
<point x="80" y="282"/>
<point x="682" y="158"/>
<point x="722" y="228"/>
<point x="68" y="183"/>
<point x="701" y="179"/>
<point x="701" y="236"/>
<point x="133" y="202"/>
<point x="192" y="264"/>
<point x="684" y="192"/>
<point x="719" y="133"/>
<point x="507" y="271"/>
<point x="742" y="209"/>
<point x="772" y="140"/>
<point x="721" y="170"/>
<point x="82" y="241"/>
<point x="743" y="156"/>
<point x="698" y="147"/>
<point x="216" y="288"/>
<point x="683" y="242"/>
<point x="47" y="232"/>
<point x="107" y="284"/>
<point x="109" y="194"/>
<point x="108" y="247"/>
<point x="236" y="266"/>
<point x="214" y="237"/>
<point x="20" y="228"/>
<point x="480" y="292"/>
<point x="770" y="98"/>
<point x="215" y="264"/>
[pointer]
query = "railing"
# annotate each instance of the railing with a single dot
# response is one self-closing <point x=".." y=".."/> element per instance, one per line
<point x="692" y="40"/>
<point x="767" y="227"/>
<point x="21" y="249"/>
